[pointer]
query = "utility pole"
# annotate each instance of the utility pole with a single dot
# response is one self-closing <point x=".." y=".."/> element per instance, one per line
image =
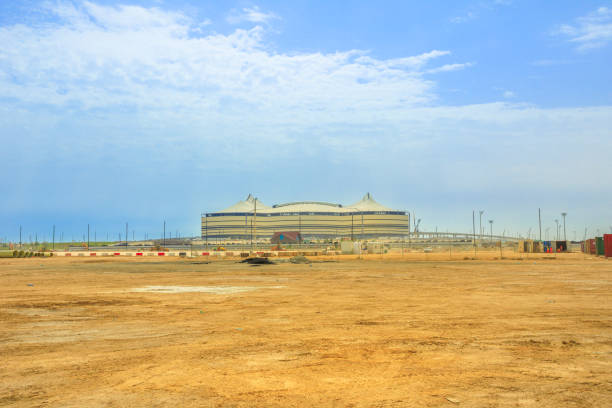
<point x="255" y="224"/>
<point x="563" y="214"/>
<point x="474" y="230"/>
<point x="480" y="225"/>
<point x="409" y="239"/>
<point x="540" y="222"/>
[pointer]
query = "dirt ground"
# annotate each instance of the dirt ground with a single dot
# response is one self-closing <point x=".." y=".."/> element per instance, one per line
<point x="418" y="331"/>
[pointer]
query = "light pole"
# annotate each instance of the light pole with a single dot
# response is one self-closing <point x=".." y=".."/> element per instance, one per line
<point x="557" y="236"/>
<point x="540" y="222"/>
<point x="474" y="232"/>
<point x="563" y="214"/>
<point x="491" y="222"/>
<point x="480" y="224"/>
<point x="255" y="223"/>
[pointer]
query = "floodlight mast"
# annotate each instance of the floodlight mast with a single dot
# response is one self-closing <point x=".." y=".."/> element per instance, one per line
<point x="254" y="243"/>
<point x="540" y="222"/>
<point x="563" y="214"/>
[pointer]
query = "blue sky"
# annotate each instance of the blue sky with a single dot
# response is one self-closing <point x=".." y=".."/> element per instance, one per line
<point x="144" y="111"/>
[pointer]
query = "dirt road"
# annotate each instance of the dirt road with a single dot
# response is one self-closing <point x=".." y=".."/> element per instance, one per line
<point x="396" y="332"/>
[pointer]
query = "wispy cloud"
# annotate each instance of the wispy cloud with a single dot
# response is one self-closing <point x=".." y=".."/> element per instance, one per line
<point x="95" y="56"/>
<point x="450" y="67"/>
<point x="509" y="94"/>
<point x="591" y="31"/>
<point x="470" y="15"/>
<point x="475" y="10"/>
<point x="251" y="15"/>
<point x="550" y="62"/>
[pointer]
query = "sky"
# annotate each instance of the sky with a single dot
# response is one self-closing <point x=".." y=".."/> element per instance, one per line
<point x="145" y="111"/>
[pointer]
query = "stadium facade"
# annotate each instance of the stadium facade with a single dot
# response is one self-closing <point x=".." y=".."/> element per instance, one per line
<point x="248" y="218"/>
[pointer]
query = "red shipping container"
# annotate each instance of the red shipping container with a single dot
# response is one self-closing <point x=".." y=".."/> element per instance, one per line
<point x="608" y="245"/>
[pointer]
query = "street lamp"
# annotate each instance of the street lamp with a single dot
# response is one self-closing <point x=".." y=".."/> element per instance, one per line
<point x="563" y="214"/>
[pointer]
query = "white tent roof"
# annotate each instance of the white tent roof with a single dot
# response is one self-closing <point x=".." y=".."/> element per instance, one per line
<point x="368" y="203"/>
<point x="247" y="205"/>
<point x="309" y="206"/>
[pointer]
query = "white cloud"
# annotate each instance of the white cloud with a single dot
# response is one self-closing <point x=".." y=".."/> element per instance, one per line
<point x="550" y="62"/>
<point x="477" y="9"/>
<point x="470" y="15"/>
<point x="449" y="67"/>
<point x="104" y="57"/>
<point x="251" y="15"/>
<point x="509" y="94"/>
<point x="591" y="31"/>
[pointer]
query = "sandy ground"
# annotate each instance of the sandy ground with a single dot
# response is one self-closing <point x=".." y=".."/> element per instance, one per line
<point x="411" y="332"/>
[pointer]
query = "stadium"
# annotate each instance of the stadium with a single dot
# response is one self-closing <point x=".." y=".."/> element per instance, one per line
<point x="311" y="219"/>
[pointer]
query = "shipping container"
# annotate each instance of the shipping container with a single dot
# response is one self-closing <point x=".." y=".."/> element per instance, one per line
<point x="521" y="246"/>
<point x="608" y="245"/>
<point x="599" y="246"/>
<point x="560" y="246"/>
<point x="547" y="246"/>
<point x="592" y="247"/>
<point x="537" y="246"/>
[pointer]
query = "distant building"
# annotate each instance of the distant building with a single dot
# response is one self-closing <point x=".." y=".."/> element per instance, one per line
<point x="363" y="219"/>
